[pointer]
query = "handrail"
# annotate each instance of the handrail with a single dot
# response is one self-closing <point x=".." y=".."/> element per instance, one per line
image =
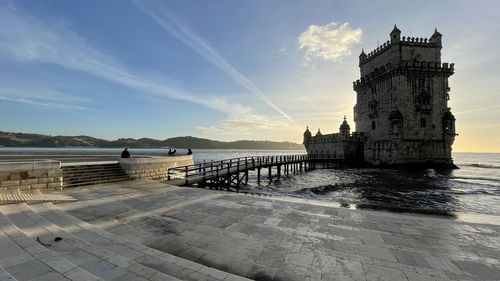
<point x="246" y="163"/>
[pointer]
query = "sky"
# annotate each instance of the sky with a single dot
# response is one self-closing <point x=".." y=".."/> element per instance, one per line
<point x="227" y="70"/>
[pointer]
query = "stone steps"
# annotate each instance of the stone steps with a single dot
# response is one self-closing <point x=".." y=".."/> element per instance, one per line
<point x="91" y="171"/>
<point x="170" y="264"/>
<point x="14" y="197"/>
<point x="92" y="181"/>
<point x="80" y="175"/>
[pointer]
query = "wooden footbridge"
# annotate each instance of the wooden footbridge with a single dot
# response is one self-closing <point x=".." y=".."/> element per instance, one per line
<point x="233" y="173"/>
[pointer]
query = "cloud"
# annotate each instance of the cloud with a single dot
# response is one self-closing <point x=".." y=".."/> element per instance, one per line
<point x="244" y="125"/>
<point x="180" y="30"/>
<point x="280" y="53"/>
<point x="29" y="40"/>
<point x="330" y="42"/>
<point x="475" y="110"/>
<point x="43" y="97"/>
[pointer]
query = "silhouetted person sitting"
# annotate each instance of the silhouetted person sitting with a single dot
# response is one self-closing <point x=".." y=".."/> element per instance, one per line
<point x="125" y="153"/>
<point x="189" y="151"/>
<point x="173" y="152"/>
<point x="169" y="151"/>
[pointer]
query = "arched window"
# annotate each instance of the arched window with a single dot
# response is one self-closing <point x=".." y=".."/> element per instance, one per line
<point x="374" y="125"/>
<point x="423" y="122"/>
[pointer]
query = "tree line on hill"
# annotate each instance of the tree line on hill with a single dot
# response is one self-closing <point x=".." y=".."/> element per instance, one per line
<point x="10" y="139"/>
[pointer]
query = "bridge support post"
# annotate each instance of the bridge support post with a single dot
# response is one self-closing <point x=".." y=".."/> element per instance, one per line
<point x="258" y="176"/>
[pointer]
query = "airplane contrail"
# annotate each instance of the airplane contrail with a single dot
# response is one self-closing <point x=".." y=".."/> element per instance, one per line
<point x="173" y="25"/>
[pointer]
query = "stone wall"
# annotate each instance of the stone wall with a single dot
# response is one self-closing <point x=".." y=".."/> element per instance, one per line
<point x="407" y="152"/>
<point x="153" y="168"/>
<point x="41" y="174"/>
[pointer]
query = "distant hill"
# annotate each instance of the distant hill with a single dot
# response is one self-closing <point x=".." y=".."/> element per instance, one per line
<point x="10" y="139"/>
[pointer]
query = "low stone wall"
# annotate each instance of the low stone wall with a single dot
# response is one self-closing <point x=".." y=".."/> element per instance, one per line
<point x="153" y="168"/>
<point x="40" y="174"/>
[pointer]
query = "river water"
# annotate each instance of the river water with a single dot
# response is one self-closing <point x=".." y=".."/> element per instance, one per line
<point x="474" y="188"/>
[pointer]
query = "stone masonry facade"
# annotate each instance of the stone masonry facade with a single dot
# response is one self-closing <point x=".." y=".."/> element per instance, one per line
<point x="30" y="175"/>
<point x="401" y="112"/>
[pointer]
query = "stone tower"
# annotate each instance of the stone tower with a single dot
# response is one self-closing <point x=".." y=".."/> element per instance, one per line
<point x="402" y="102"/>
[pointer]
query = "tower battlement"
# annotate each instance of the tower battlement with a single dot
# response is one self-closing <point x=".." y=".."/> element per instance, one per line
<point x="400" y="49"/>
<point x="435" y="68"/>
<point x="406" y="41"/>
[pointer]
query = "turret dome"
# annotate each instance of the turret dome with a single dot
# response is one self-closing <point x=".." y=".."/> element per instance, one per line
<point x="345" y="125"/>
<point x="395" y="30"/>
<point x="436" y="33"/>
<point x="307" y="132"/>
<point x="319" y="133"/>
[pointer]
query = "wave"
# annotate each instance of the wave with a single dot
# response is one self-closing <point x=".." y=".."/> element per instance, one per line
<point x="475" y="192"/>
<point x="431" y="173"/>
<point x="495" y="180"/>
<point x="484" y="166"/>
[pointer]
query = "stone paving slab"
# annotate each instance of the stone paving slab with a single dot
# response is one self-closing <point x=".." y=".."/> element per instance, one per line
<point x="263" y="238"/>
<point x="143" y="260"/>
<point x="279" y="238"/>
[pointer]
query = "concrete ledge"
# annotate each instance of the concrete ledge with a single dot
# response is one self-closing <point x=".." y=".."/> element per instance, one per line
<point x="153" y="168"/>
<point x="29" y="165"/>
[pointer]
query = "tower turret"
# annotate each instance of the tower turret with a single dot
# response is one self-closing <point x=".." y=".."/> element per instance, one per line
<point x="307" y="136"/>
<point x="448" y="123"/>
<point x="395" y="35"/>
<point x="319" y="134"/>
<point x="436" y="37"/>
<point x="345" y="129"/>
<point x="362" y="57"/>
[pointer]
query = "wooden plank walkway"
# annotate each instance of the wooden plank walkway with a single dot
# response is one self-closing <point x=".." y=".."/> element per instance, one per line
<point x="226" y="173"/>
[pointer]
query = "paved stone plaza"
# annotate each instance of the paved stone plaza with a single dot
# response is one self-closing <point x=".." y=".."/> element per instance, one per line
<point x="275" y="238"/>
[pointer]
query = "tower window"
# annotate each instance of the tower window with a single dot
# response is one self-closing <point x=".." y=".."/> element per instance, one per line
<point x="422" y="122"/>
<point x="374" y="125"/>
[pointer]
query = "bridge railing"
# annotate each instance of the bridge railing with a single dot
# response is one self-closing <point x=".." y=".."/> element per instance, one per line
<point x="228" y="165"/>
<point x="225" y="166"/>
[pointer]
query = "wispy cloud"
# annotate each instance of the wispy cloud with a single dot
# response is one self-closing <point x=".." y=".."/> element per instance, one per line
<point x="180" y="30"/>
<point x="481" y="109"/>
<point x="244" y="125"/>
<point x="329" y="42"/>
<point x="29" y="40"/>
<point x="43" y="97"/>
